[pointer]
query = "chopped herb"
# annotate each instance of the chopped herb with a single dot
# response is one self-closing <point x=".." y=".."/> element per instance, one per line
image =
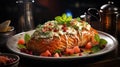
<point x="20" y="46"/>
<point x="75" y="27"/>
<point x="57" y="51"/>
<point x="47" y="34"/>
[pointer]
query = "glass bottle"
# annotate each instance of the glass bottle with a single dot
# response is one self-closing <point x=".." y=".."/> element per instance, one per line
<point x="25" y="21"/>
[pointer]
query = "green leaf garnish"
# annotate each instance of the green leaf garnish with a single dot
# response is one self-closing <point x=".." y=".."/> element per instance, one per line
<point x="97" y="37"/>
<point x="59" y="19"/>
<point x="95" y="48"/>
<point x="64" y="16"/>
<point x="78" y="19"/>
<point x="64" y="19"/>
<point x="27" y="38"/>
<point x="102" y="42"/>
<point x="68" y="19"/>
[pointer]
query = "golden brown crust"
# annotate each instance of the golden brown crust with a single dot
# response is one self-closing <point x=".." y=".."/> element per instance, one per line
<point x="62" y="42"/>
<point x="51" y="44"/>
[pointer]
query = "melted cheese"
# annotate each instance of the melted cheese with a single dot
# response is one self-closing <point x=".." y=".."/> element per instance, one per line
<point x="51" y="29"/>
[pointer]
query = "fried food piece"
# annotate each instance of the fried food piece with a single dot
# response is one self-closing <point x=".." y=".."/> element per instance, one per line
<point x="62" y="33"/>
<point x="62" y="42"/>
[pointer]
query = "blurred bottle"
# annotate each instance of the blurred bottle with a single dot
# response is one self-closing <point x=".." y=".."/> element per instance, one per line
<point x="108" y="13"/>
<point x="109" y="21"/>
<point x="25" y="22"/>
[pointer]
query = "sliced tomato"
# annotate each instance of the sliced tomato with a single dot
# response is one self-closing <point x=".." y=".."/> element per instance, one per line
<point x="46" y="53"/>
<point x="76" y="49"/>
<point x="56" y="55"/>
<point x="88" y="45"/>
<point x="69" y="51"/>
<point x="21" y="41"/>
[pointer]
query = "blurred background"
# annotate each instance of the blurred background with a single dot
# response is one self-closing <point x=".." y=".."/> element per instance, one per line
<point x="44" y="10"/>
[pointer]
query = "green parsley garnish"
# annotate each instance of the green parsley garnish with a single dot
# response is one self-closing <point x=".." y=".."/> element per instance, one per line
<point x="64" y="19"/>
